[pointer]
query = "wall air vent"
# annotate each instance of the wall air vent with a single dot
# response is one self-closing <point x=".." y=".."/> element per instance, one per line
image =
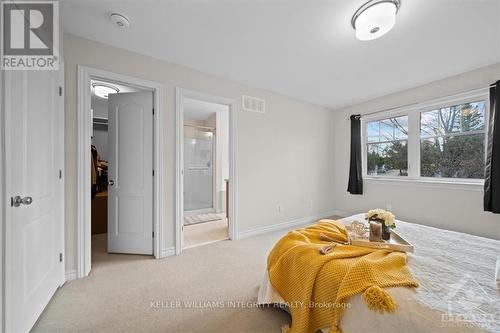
<point x="253" y="104"/>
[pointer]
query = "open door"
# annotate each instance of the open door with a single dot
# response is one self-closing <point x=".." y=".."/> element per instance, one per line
<point x="33" y="184"/>
<point x="130" y="173"/>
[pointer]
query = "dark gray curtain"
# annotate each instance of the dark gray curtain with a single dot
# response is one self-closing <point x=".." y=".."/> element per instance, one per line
<point x="492" y="169"/>
<point x="355" y="185"/>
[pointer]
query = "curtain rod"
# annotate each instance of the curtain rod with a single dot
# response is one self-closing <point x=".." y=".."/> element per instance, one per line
<point x="417" y="103"/>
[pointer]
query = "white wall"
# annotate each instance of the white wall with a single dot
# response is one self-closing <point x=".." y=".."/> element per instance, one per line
<point x="220" y="120"/>
<point x="100" y="107"/>
<point x="100" y="132"/>
<point x="284" y="156"/>
<point x="222" y="160"/>
<point x="450" y="207"/>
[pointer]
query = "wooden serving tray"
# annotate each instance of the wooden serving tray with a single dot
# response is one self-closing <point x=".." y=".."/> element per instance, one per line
<point x="396" y="243"/>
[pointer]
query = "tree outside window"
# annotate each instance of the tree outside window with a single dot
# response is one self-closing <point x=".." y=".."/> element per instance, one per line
<point x="452" y="141"/>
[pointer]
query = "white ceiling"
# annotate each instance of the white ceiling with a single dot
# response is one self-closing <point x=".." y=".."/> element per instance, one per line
<point x="200" y="110"/>
<point x="303" y="49"/>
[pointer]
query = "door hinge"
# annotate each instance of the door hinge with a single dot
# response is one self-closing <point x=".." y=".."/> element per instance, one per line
<point x="60" y="91"/>
<point x="153" y="110"/>
<point x="60" y="174"/>
<point x="60" y="257"/>
<point x="153" y="234"/>
<point x="153" y="173"/>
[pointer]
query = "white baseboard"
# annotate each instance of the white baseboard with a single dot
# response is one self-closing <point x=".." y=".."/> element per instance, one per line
<point x="285" y="225"/>
<point x="70" y="275"/>
<point x="167" y="252"/>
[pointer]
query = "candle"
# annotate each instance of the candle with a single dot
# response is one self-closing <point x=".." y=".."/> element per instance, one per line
<point x="375" y="232"/>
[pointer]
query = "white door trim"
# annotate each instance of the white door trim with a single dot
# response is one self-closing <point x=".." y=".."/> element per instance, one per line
<point x="180" y="94"/>
<point x="85" y="74"/>
<point x="3" y="203"/>
<point x="62" y="170"/>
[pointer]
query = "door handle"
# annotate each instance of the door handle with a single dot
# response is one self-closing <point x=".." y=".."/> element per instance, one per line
<point x="111" y="182"/>
<point x="18" y="201"/>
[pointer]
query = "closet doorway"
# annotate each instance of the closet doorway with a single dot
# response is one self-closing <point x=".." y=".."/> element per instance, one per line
<point x="122" y="191"/>
<point x="118" y="186"/>
<point x="205" y="179"/>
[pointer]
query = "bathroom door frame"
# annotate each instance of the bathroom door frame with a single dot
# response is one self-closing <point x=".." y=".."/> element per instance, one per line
<point x="181" y="94"/>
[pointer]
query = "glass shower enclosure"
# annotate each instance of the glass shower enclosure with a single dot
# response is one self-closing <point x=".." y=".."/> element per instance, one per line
<point x="199" y="151"/>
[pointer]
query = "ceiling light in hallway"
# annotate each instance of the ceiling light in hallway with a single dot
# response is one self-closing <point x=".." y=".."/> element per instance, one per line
<point x="103" y="90"/>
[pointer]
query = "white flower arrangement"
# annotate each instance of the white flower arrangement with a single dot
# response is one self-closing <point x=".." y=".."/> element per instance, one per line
<point x="382" y="216"/>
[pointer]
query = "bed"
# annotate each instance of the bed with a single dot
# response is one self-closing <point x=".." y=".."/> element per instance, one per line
<point x="457" y="293"/>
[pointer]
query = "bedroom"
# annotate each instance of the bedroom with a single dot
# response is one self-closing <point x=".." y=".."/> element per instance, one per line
<point x="291" y="75"/>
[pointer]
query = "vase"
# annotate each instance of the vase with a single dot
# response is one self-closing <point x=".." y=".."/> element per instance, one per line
<point x="375" y="232"/>
<point x="386" y="232"/>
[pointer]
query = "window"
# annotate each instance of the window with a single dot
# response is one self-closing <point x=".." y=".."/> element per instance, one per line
<point x="387" y="147"/>
<point x="452" y="141"/>
<point x="438" y="140"/>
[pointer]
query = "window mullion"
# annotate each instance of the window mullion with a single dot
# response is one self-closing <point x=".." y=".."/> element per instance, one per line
<point x="414" y="144"/>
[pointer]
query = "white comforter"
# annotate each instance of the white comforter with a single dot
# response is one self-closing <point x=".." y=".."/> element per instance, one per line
<point x="457" y="293"/>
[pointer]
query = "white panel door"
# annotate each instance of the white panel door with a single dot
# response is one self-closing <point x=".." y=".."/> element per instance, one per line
<point x="130" y="173"/>
<point x="33" y="134"/>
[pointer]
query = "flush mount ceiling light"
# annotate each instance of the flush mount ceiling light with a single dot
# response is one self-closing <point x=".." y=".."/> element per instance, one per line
<point x="103" y="90"/>
<point x="120" y="20"/>
<point x="375" y="18"/>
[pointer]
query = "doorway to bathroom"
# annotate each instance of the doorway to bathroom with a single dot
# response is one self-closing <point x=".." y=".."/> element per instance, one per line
<point x="206" y="172"/>
<point x="205" y="208"/>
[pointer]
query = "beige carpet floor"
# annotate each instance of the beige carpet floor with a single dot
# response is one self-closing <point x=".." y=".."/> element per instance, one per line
<point x="118" y="294"/>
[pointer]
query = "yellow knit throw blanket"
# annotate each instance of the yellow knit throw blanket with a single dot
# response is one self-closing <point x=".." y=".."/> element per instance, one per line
<point x="317" y="287"/>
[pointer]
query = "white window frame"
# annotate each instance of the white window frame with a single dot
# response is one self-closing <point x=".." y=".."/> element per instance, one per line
<point x="413" y="112"/>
